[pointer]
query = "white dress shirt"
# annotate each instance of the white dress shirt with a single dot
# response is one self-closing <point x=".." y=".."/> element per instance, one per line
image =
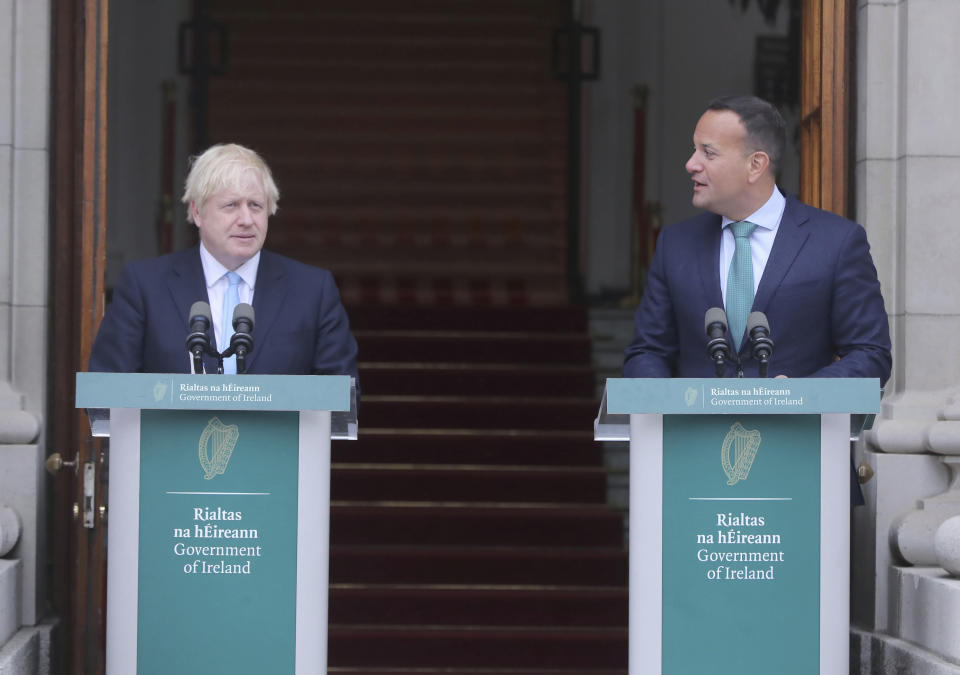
<point x="767" y="219"/>
<point x="215" y="275"/>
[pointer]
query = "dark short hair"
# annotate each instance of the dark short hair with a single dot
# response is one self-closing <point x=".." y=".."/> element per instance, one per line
<point x="766" y="129"/>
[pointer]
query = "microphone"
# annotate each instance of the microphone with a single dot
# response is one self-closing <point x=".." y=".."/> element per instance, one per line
<point x="759" y="331"/>
<point x="715" y="324"/>
<point x="198" y="341"/>
<point x="242" y="340"/>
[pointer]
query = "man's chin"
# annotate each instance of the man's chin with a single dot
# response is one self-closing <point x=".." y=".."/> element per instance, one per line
<point x="245" y="250"/>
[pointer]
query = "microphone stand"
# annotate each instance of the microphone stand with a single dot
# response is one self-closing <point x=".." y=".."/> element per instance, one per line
<point x="198" y="345"/>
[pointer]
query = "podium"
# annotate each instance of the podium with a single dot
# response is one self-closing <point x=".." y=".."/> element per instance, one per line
<point x="219" y="495"/>
<point x="739" y="522"/>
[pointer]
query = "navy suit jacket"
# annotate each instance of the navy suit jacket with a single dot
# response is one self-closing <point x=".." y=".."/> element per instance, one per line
<point x="819" y="291"/>
<point x="301" y="327"/>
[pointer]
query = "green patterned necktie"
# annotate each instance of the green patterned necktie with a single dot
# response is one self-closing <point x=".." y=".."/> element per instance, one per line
<point x="740" y="281"/>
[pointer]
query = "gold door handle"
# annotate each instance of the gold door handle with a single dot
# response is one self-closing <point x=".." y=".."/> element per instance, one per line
<point x="55" y="462"/>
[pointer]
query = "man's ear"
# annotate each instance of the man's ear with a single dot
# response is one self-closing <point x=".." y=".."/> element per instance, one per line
<point x="759" y="164"/>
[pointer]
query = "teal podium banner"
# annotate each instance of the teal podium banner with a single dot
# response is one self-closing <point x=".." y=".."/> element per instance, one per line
<point x="218" y="542"/>
<point x="752" y="396"/>
<point x="741" y="544"/>
<point x="152" y="391"/>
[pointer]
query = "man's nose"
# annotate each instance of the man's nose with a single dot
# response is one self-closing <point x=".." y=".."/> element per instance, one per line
<point x="246" y="215"/>
<point x="693" y="164"/>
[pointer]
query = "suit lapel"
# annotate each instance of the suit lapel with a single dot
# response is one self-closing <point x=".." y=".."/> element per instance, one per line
<point x="268" y="297"/>
<point x="187" y="285"/>
<point x="186" y="282"/>
<point x="709" y="255"/>
<point x="791" y="236"/>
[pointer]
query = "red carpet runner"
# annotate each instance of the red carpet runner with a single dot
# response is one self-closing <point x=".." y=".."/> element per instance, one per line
<point x="470" y="527"/>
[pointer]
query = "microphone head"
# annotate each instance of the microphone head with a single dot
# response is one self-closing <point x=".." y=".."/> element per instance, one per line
<point x="200" y="310"/>
<point x="715" y="315"/>
<point x="757" y="320"/>
<point x="243" y="312"/>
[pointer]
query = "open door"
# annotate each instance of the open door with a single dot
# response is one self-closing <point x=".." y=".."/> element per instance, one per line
<point x="78" y="195"/>
<point x="825" y="129"/>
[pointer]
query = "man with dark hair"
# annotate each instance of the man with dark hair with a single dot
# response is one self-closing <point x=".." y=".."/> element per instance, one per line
<point x="809" y="271"/>
<point x="765" y="126"/>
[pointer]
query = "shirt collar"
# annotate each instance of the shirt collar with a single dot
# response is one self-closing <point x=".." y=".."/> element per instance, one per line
<point x="213" y="271"/>
<point x="767" y="216"/>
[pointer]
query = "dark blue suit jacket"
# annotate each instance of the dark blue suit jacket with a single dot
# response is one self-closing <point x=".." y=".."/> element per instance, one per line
<point x="301" y="327"/>
<point x="819" y="291"/>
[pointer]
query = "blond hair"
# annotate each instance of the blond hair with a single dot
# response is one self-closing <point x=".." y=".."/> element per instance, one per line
<point x="224" y="166"/>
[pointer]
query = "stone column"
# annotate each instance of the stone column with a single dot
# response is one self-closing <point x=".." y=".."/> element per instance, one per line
<point x="907" y="173"/>
<point x="24" y="228"/>
<point x="908" y="164"/>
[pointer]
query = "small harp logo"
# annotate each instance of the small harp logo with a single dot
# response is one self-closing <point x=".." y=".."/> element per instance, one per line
<point x="738" y="451"/>
<point x="216" y="445"/>
<point x="159" y="391"/>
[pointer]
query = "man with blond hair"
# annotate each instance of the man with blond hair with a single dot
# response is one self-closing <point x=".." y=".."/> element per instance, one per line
<point x="300" y="328"/>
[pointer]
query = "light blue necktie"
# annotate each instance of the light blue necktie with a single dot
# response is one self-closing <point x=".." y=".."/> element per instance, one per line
<point x="740" y="281"/>
<point x="230" y="301"/>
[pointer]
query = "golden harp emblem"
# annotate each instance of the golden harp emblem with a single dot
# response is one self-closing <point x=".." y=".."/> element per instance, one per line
<point x="738" y="451"/>
<point x="221" y="439"/>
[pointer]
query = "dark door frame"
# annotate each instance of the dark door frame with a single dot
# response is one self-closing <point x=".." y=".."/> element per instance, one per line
<point x="78" y="257"/>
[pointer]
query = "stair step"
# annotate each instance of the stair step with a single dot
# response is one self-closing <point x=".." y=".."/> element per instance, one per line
<point x="443" y="260"/>
<point x="524" y="96"/>
<point x="479" y="412"/>
<point x="560" y="566"/>
<point x="335" y="670"/>
<point x="475" y="319"/>
<point x="461" y="605"/>
<point x="240" y="118"/>
<point x="287" y="50"/>
<point x="480" y="227"/>
<point x="467" y="483"/>
<point x="422" y="290"/>
<point x="411" y="171"/>
<point x="280" y="141"/>
<point x="478" y="647"/>
<point x="493" y="379"/>
<point x="450" y="446"/>
<point x="464" y="524"/>
<point x="376" y="73"/>
<point x="386" y="14"/>
<point x="471" y="347"/>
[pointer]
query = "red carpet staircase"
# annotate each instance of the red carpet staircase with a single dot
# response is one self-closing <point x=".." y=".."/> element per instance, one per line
<point x="419" y="147"/>
<point x="420" y="152"/>
<point x="470" y="531"/>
